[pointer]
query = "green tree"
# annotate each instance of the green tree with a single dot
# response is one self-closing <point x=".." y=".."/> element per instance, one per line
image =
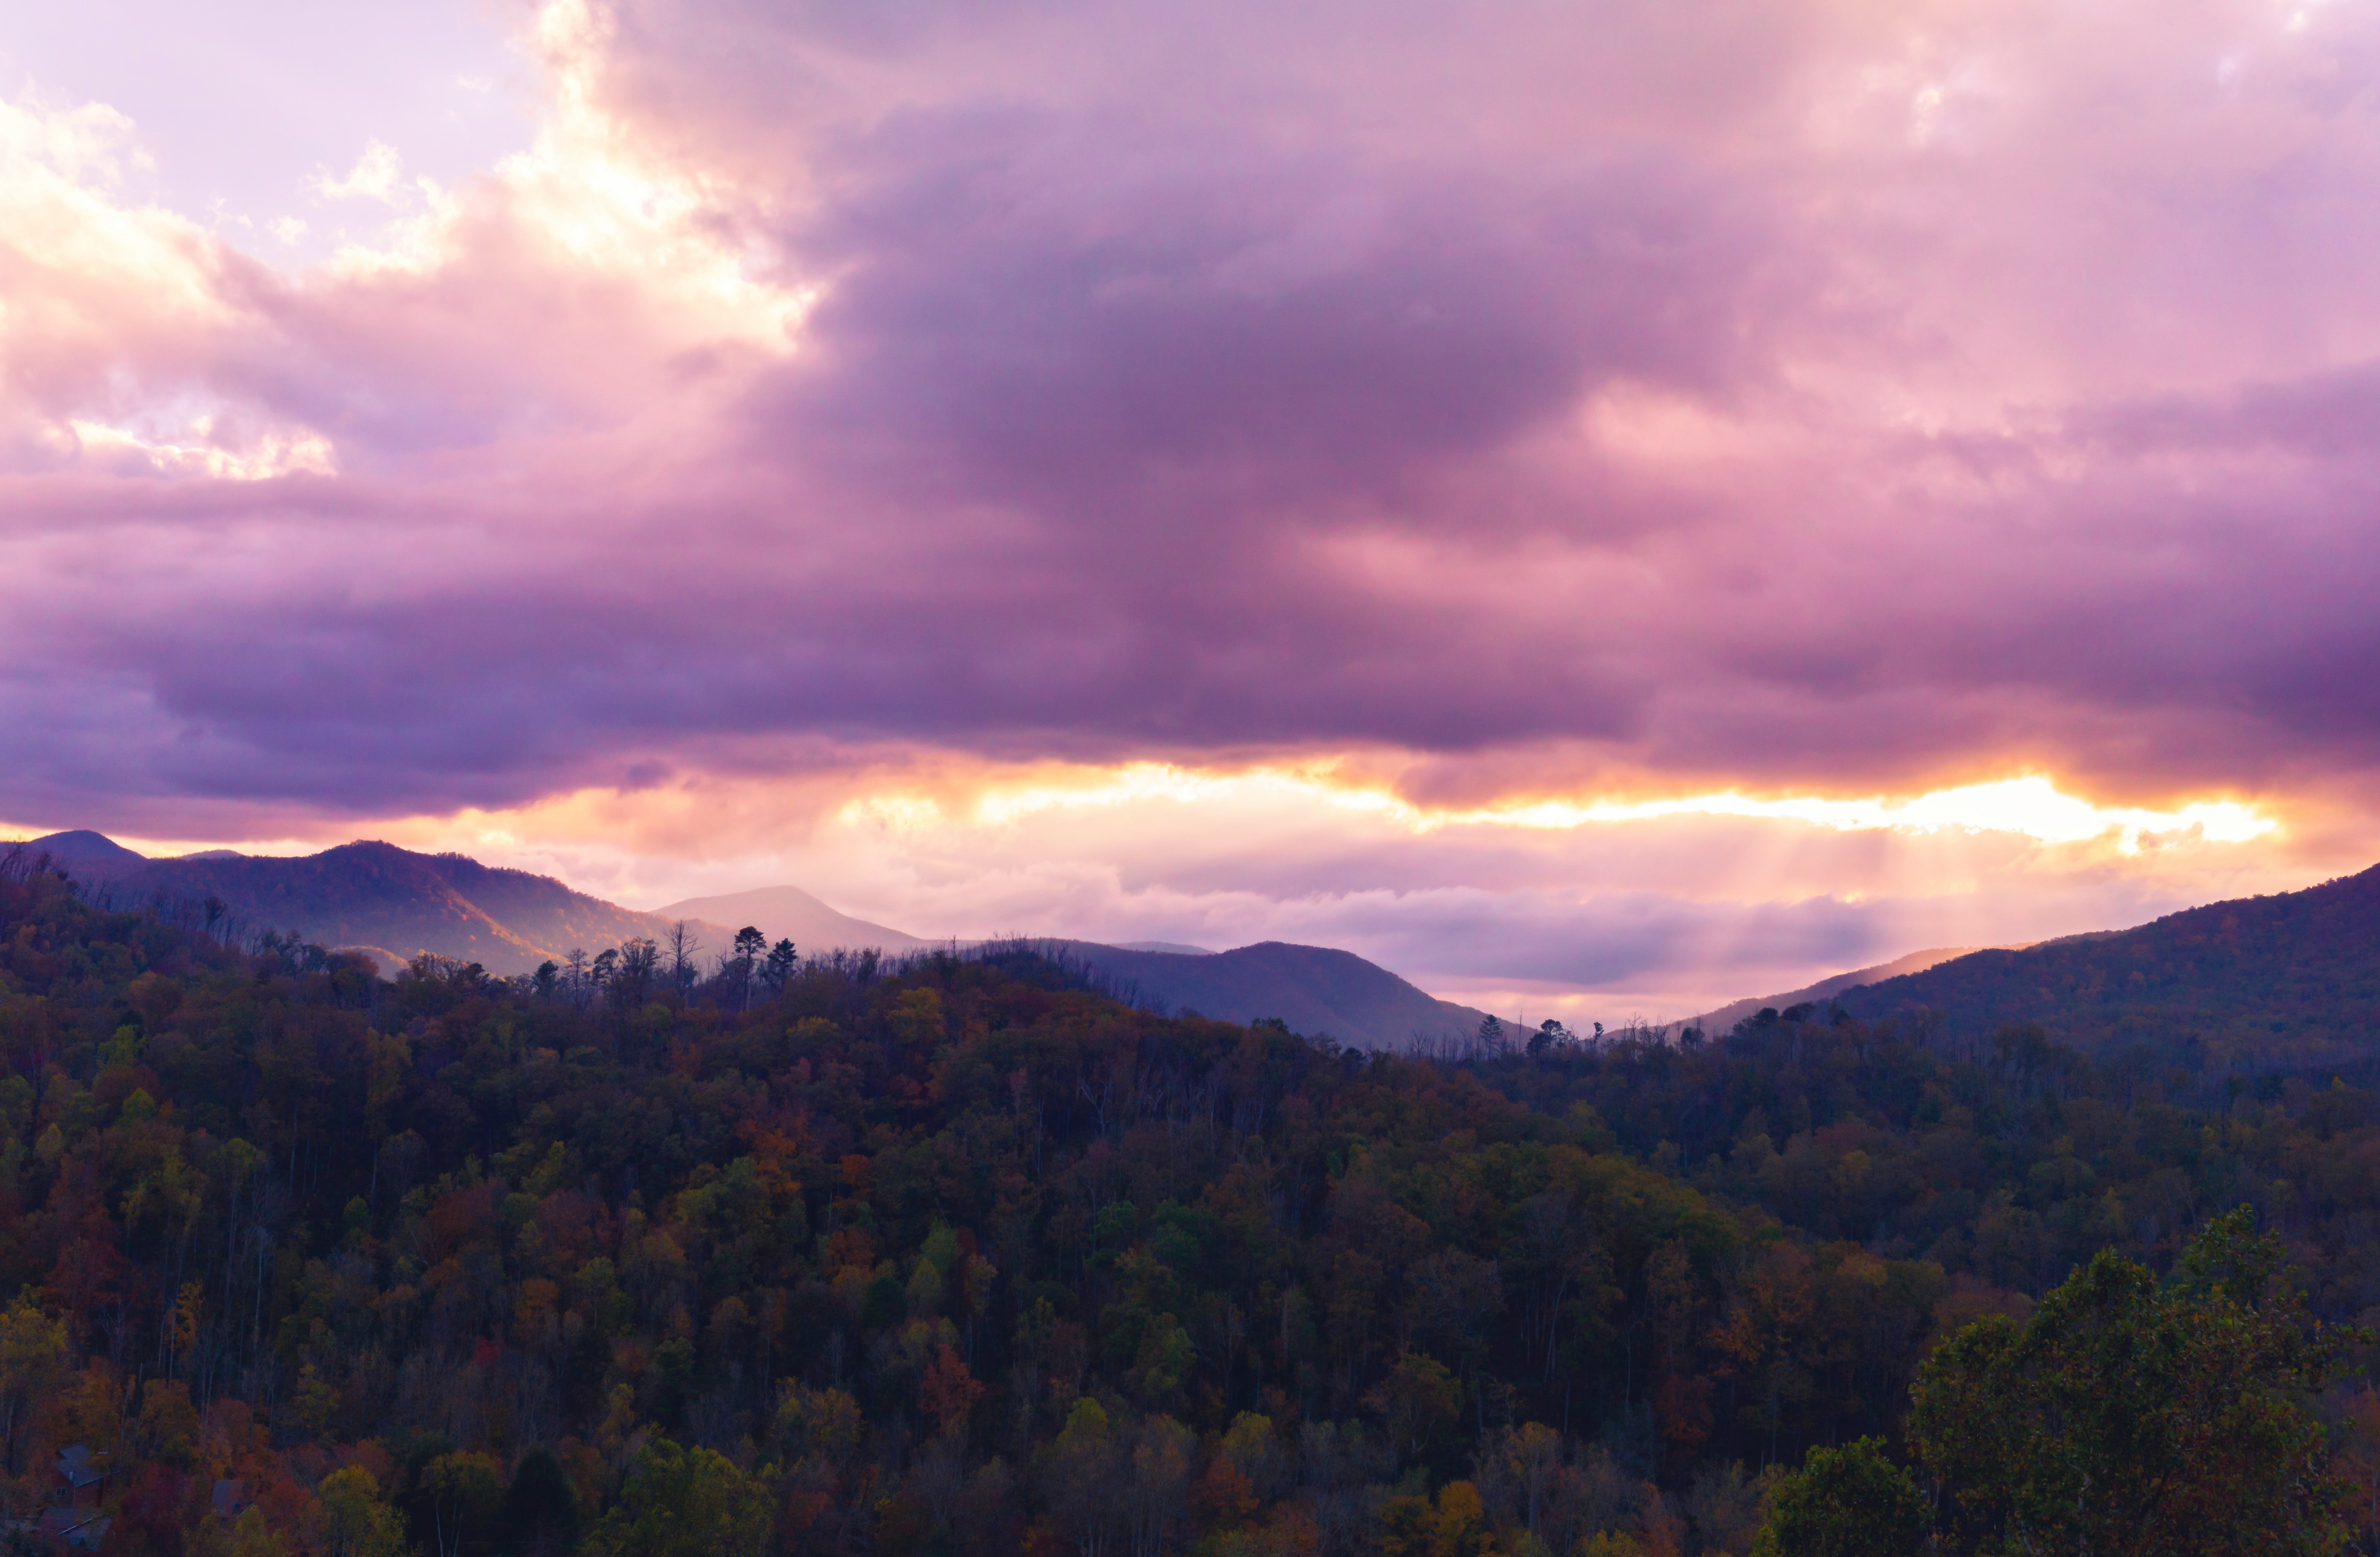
<point x="2123" y="1417"/>
<point x="1844" y="1502"/>
<point x="356" y="1521"/>
<point x="685" y="1503"/>
<point x="252" y="1535"/>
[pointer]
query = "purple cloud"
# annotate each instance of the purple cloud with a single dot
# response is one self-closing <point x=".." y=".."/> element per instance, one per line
<point x="1782" y="399"/>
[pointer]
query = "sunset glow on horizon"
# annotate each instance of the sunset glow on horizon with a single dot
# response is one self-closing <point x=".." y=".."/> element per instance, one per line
<point x="1587" y="507"/>
<point x="2029" y="806"/>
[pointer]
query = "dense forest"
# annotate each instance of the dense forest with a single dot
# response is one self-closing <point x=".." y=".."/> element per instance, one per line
<point x="653" y="1254"/>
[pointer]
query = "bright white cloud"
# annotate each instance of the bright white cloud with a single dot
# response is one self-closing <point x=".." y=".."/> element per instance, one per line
<point x="268" y="456"/>
<point x="375" y="177"/>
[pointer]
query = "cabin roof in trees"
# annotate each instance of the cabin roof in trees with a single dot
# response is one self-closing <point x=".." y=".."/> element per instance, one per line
<point x="79" y="1467"/>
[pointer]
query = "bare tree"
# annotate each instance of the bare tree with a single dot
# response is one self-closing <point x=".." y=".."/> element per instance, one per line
<point x="632" y="983"/>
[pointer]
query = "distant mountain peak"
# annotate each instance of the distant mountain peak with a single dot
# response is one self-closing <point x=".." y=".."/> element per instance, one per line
<point x="88" y="856"/>
<point x="1315" y="989"/>
<point x="787" y="913"/>
<point x="83" y="847"/>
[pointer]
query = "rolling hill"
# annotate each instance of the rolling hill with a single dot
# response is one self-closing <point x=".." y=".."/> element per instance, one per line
<point x="1314" y="989"/>
<point x="2257" y="978"/>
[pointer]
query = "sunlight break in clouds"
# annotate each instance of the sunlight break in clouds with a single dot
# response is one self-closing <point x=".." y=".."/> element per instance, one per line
<point x="2029" y="806"/>
<point x="270" y="457"/>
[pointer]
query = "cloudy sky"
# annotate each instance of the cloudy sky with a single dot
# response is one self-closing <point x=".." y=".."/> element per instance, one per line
<point x="1601" y="507"/>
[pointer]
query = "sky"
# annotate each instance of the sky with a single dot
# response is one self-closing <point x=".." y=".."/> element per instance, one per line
<point x="1601" y="507"/>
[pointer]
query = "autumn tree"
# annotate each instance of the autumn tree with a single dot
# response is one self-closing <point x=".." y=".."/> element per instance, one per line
<point x="948" y="1392"/>
<point x="356" y="1521"/>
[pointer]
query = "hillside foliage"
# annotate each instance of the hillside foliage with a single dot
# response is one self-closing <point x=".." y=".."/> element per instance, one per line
<point x="2243" y="987"/>
<point x="958" y="1255"/>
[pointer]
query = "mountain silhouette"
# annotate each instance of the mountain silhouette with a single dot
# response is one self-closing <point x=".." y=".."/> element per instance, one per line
<point x="375" y="898"/>
<point x="90" y="855"/>
<point x="1313" y="988"/>
<point x="395" y="904"/>
<point x="2291" y="974"/>
<point x="1725" y="1017"/>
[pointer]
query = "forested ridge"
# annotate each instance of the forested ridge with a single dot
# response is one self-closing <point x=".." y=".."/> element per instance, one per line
<point x="2245" y="984"/>
<point x="957" y="1255"/>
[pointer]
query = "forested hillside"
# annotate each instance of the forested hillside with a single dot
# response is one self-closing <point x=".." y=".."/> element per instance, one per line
<point x="842" y="1255"/>
<point x="2290" y="978"/>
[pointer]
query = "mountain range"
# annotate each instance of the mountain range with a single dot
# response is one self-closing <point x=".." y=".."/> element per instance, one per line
<point x="389" y="903"/>
<point x="2295" y="972"/>
<point x="394" y="903"/>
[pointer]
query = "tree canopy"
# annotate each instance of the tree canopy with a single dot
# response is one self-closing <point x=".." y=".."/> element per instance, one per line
<point x="846" y="1254"/>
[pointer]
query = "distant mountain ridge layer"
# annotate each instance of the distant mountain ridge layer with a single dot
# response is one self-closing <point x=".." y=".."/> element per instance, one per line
<point x="386" y="901"/>
<point x="2297" y="971"/>
<point x="1724" y="1019"/>
<point x="785" y="913"/>
<point x="1314" y="989"/>
<point x="394" y="904"/>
